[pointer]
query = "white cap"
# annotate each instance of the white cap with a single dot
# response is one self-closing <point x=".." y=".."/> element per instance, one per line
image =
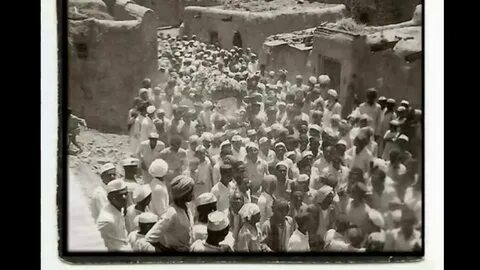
<point x="106" y="167"/>
<point x="141" y="192"/>
<point x="376" y="217"/>
<point x="391" y="100"/>
<point x="403" y="137"/>
<point x="312" y="80"/>
<point x="151" y="109"/>
<point x="225" y="143"/>
<point x="332" y="92"/>
<point x="263" y="140"/>
<point x="315" y="127"/>
<point x="380" y="164"/>
<point x="401" y="109"/>
<point x="248" y="210"/>
<point x="142" y="90"/>
<point x="206" y="198"/>
<point x="153" y="135"/>
<point x="251" y="145"/>
<point x="217" y="221"/>
<point x="323" y="79"/>
<point x="251" y="132"/>
<point x="280" y="144"/>
<point x="158" y="168"/>
<point x="116" y="185"/>
<point x="342" y="142"/>
<point x="236" y="138"/>
<point x="303" y="178"/>
<point x="130" y="162"/>
<point x="147" y="217"/>
<point x="307" y="153"/>
<point x="405" y="102"/>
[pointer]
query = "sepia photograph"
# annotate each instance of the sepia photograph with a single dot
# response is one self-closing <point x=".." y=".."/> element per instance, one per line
<point x="271" y="127"/>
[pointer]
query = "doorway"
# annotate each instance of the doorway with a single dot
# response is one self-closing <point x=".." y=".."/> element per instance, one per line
<point x="237" y="39"/>
<point x="332" y="68"/>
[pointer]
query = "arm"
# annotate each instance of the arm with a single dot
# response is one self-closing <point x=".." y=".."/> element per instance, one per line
<point x="159" y="229"/>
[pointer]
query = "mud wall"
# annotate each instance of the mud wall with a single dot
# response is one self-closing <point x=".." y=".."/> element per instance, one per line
<point x="294" y="60"/>
<point x="107" y="60"/>
<point x="402" y="79"/>
<point x="253" y="27"/>
<point x="170" y="12"/>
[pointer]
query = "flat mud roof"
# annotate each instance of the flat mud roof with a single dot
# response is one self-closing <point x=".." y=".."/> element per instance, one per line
<point x="274" y="5"/>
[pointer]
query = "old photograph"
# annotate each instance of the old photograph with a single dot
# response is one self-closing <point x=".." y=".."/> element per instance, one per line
<point x="233" y="126"/>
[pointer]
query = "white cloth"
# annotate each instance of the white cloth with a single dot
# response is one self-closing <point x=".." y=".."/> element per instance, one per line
<point x="222" y="193"/>
<point x="298" y="242"/>
<point x="360" y="160"/>
<point x="147" y="155"/>
<point x="203" y="177"/>
<point x="265" y="203"/>
<point x="375" y="113"/>
<point x="98" y="201"/>
<point x="160" y="200"/>
<point x="146" y="128"/>
<point x="138" y="243"/>
<point x="173" y="229"/>
<point x="111" y="225"/>
<point x="131" y="220"/>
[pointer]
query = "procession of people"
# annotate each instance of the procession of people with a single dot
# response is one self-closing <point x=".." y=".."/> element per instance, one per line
<point x="229" y="157"/>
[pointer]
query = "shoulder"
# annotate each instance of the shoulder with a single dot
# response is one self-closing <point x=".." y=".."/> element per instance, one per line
<point x="105" y="218"/>
<point x="165" y="151"/>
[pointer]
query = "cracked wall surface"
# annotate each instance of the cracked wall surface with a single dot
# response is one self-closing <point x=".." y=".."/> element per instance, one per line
<point x="107" y="60"/>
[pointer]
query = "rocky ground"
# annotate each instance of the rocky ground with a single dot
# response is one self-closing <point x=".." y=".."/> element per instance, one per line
<point x="98" y="149"/>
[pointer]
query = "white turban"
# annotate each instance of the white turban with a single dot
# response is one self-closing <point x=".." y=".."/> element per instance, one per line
<point x="158" y="168"/>
<point x="248" y="210"/>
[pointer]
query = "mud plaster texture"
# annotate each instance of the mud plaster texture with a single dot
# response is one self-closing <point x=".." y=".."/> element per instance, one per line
<point x="107" y="60"/>
<point x="170" y="12"/>
<point x="399" y="64"/>
<point x="254" y="27"/>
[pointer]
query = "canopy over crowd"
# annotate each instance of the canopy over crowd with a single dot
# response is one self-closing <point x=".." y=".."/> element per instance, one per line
<point x="227" y="156"/>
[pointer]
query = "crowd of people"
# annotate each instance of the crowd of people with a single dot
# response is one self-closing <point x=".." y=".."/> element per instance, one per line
<point x="276" y="170"/>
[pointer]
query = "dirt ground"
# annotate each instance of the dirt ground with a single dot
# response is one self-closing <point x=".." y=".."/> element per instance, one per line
<point x="98" y="149"/>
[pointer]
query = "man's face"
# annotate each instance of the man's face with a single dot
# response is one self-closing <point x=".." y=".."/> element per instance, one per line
<point x="264" y="147"/>
<point x="282" y="171"/>
<point x="175" y="146"/>
<point x="280" y="151"/>
<point x="297" y="198"/>
<point x="252" y="153"/>
<point x="119" y="198"/>
<point x="237" y="144"/>
<point x="378" y="181"/>
<point x="236" y="203"/>
<point x="207" y="144"/>
<point x="109" y="176"/>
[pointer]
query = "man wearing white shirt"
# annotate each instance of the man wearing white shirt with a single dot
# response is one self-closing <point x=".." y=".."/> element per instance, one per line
<point x="147" y="152"/>
<point x="372" y="109"/>
<point x="359" y="156"/>
<point x="298" y="242"/>
<point x="147" y="125"/>
<point x="265" y="201"/>
<point x="99" y="195"/>
<point x="111" y="221"/>
<point x="160" y="198"/>
<point x="221" y="189"/>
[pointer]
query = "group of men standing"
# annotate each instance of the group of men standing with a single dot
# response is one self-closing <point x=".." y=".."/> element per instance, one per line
<point x="285" y="172"/>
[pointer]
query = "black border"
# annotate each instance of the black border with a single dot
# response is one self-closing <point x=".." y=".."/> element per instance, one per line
<point x="186" y="257"/>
